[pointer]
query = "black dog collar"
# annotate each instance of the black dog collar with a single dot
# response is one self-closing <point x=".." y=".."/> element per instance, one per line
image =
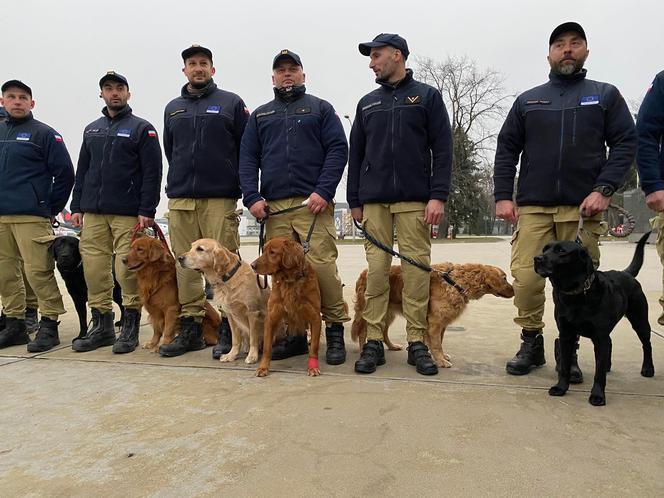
<point x="584" y="288"/>
<point x="229" y="275"/>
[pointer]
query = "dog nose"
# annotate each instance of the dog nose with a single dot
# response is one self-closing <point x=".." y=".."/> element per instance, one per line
<point x="181" y="259"/>
<point x="253" y="266"/>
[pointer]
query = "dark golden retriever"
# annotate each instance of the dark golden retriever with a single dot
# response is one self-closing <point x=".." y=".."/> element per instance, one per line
<point x="236" y="290"/>
<point x="445" y="302"/>
<point x="158" y="290"/>
<point x="295" y="297"/>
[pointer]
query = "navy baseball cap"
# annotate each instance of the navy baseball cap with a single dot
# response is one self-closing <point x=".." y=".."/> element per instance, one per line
<point x="286" y="54"/>
<point x="383" y="39"/>
<point x="196" y="49"/>
<point x="567" y="27"/>
<point x="16" y="84"/>
<point x="113" y="76"/>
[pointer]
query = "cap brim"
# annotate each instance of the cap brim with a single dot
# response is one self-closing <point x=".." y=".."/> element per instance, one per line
<point x="285" y="57"/>
<point x="16" y="84"/>
<point x="191" y="51"/>
<point x="365" y="48"/>
<point x="567" y="27"/>
<point x="112" y="78"/>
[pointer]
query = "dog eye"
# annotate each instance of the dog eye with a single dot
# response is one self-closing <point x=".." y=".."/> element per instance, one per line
<point x="200" y="249"/>
<point x="558" y="249"/>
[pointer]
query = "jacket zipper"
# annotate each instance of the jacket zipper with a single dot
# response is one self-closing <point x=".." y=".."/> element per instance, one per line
<point x="560" y="151"/>
<point x="394" y="169"/>
<point x="288" y="162"/>
<point x="574" y="127"/>
<point x="193" y="150"/>
<point x="103" y="160"/>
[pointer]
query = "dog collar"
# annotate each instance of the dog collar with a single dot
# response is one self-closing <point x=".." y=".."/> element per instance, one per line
<point x="584" y="288"/>
<point x="229" y="275"/>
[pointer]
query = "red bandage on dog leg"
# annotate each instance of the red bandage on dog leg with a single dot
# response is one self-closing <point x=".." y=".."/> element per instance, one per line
<point x="313" y="363"/>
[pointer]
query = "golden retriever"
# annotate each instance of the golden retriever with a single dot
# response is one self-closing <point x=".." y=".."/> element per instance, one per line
<point x="236" y="290"/>
<point x="295" y="297"/>
<point x="445" y="302"/>
<point x="158" y="290"/>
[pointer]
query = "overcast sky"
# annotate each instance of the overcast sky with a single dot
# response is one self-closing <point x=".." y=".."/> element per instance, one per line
<point x="61" y="48"/>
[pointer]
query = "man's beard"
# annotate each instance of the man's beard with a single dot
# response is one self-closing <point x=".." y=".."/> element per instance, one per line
<point x="199" y="86"/>
<point x="568" y="67"/>
<point x="116" y="107"/>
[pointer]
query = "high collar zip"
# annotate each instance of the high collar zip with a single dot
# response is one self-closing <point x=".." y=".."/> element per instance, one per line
<point x="205" y="91"/>
<point x="18" y="121"/>
<point x="399" y="84"/>
<point x="125" y="111"/>
<point x="562" y="80"/>
<point x="289" y="96"/>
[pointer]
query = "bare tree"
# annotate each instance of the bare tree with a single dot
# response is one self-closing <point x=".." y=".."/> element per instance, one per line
<point x="477" y="102"/>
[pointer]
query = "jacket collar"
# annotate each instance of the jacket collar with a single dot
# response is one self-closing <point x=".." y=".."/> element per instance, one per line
<point x="393" y="86"/>
<point x="560" y="80"/>
<point x="18" y="121"/>
<point x="205" y="91"/>
<point x="125" y="111"/>
<point x="288" y="96"/>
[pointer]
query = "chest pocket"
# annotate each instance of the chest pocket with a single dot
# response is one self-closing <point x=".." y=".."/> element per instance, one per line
<point x="305" y="126"/>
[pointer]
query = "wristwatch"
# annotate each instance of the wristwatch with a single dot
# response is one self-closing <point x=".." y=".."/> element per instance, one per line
<point x="605" y="190"/>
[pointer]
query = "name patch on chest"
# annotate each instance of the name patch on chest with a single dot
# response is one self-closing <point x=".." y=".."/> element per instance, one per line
<point x="369" y="106"/>
<point x="23" y="137"/>
<point x="589" y="100"/>
<point x="213" y="109"/>
<point x="266" y="113"/>
<point x="303" y="110"/>
<point x="124" y="132"/>
<point x="534" y="102"/>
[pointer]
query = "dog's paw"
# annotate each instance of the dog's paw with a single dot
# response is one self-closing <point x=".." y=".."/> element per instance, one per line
<point x="395" y="347"/>
<point x="447" y="357"/>
<point x="443" y="363"/>
<point x="150" y="345"/>
<point x="313" y="372"/>
<point x="557" y="391"/>
<point x="225" y="358"/>
<point x="251" y="358"/>
<point x="597" y="400"/>
<point x="261" y="372"/>
<point x="648" y="371"/>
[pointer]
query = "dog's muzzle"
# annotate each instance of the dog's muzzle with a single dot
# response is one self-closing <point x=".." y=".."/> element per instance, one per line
<point x="542" y="268"/>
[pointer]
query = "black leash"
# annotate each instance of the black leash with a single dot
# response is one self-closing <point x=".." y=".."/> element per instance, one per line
<point x="261" y="234"/>
<point x="443" y="274"/>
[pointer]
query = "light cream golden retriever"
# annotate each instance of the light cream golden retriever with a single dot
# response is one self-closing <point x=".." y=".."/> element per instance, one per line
<point x="446" y="303"/>
<point x="236" y="291"/>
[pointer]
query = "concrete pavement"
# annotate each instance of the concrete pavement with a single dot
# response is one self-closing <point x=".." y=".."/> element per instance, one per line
<point x="98" y="424"/>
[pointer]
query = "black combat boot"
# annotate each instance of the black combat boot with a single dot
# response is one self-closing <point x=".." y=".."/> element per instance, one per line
<point x="189" y="339"/>
<point x="101" y="334"/>
<point x="530" y="355"/>
<point x="419" y="356"/>
<point x="47" y="336"/>
<point x="225" y="339"/>
<point x="372" y="355"/>
<point x="575" y="374"/>
<point x="292" y="345"/>
<point x="31" y="320"/>
<point x="128" y="338"/>
<point x="336" y="349"/>
<point x="14" y="333"/>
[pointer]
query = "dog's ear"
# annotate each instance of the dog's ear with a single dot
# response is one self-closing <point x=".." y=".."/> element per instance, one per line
<point x="219" y="260"/>
<point x="51" y="248"/>
<point x="292" y="255"/>
<point x="156" y="252"/>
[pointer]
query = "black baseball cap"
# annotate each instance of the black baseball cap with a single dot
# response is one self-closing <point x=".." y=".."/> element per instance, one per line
<point x="286" y="54"/>
<point x="16" y="84"/>
<point x="566" y="27"/>
<point x="113" y="76"/>
<point x="384" y="39"/>
<point x="196" y="49"/>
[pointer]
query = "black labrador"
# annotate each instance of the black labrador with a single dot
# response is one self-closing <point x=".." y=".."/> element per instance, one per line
<point x="590" y="303"/>
<point x="67" y="257"/>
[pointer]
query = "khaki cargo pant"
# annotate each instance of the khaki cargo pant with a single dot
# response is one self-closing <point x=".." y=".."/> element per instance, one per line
<point x="537" y="226"/>
<point x="101" y="236"/>
<point x="413" y="240"/>
<point x="658" y="224"/>
<point x="193" y="219"/>
<point x="30" y="296"/>
<point x="322" y="254"/>
<point x="24" y="241"/>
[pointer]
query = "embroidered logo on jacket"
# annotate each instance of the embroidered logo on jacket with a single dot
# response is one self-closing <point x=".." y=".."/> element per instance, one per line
<point x="542" y="102"/>
<point x="58" y="138"/>
<point x="369" y="106"/>
<point x="152" y="133"/>
<point x="177" y="112"/>
<point x="213" y="109"/>
<point x="23" y="137"/>
<point x="124" y="132"/>
<point x="414" y="99"/>
<point x="266" y="113"/>
<point x="589" y="100"/>
<point x="303" y="110"/>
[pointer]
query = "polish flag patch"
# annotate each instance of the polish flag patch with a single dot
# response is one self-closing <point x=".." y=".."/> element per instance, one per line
<point x="152" y="133"/>
<point x="58" y="138"/>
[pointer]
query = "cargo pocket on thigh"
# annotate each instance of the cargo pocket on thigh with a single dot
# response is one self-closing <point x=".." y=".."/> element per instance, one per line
<point x="231" y="235"/>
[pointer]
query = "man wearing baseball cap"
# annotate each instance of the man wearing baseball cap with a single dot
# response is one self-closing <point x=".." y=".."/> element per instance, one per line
<point x="298" y="144"/>
<point x="118" y="180"/>
<point x="35" y="182"/>
<point x="398" y="175"/>
<point x="560" y="131"/>
<point x="202" y="132"/>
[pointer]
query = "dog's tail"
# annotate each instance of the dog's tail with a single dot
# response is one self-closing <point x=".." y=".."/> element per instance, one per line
<point x="637" y="260"/>
<point x="359" y="325"/>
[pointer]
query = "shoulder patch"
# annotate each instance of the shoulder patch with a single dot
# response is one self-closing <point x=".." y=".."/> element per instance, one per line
<point x="266" y="113"/>
<point x="373" y="104"/>
<point x="152" y="133"/>
<point x="58" y="138"/>
<point x="177" y="112"/>
<point x="413" y="99"/>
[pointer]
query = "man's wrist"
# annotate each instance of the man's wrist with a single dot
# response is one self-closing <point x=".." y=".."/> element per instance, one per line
<point x="605" y="190"/>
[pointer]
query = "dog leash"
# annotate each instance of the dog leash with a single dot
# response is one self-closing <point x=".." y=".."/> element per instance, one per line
<point x="445" y="275"/>
<point x="158" y="234"/>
